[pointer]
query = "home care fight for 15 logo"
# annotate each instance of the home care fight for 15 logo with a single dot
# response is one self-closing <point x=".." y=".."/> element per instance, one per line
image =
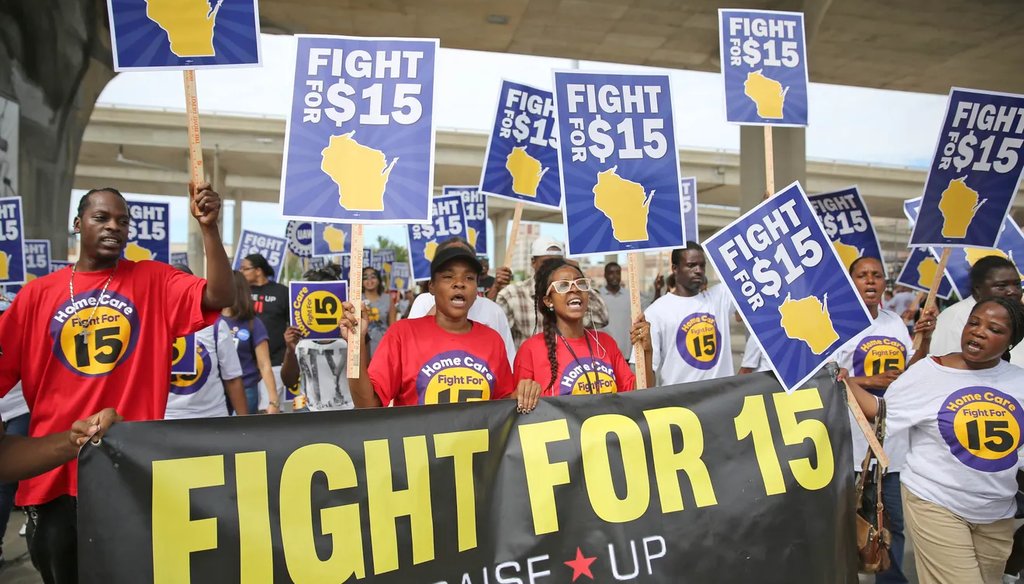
<point x="111" y="323"/>
<point x="187" y="384"/>
<point x="877" y="354"/>
<point x="588" y="376"/>
<point x="698" y="340"/>
<point x="982" y="427"/>
<point x="454" y="376"/>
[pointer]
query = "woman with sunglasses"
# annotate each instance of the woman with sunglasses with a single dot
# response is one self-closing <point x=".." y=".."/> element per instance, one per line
<point x="566" y="358"/>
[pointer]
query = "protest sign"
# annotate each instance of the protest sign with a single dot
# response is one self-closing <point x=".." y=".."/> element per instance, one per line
<point x="764" y="66"/>
<point x="615" y="486"/>
<point x="270" y="247"/>
<point x="59" y="265"/>
<point x="919" y="271"/>
<point x="387" y="261"/>
<point x="975" y="172"/>
<point x="359" y="146"/>
<point x="788" y="282"/>
<point x="300" y="238"/>
<point x="184" y="348"/>
<point x="37" y="258"/>
<point x="346" y="261"/>
<point x="521" y="162"/>
<point x="449" y="220"/>
<point x="315" y="308"/>
<point x="475" y="204"/>
<point x="183" y="34"/>
<point x="331" y="239"/>
<point x="688" y="188"/>
<point x="12" y="242"/>
<point x="401" y="277"/>
<point x="619" y="162"/>
<point x="376" y="262"/>
<point x="848" y="224"/>
<point x="149" y="234"/>
<point x="1009" y="245"/>
<point x="179" y="258"/>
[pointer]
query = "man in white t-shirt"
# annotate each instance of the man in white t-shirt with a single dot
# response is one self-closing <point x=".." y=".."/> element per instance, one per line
<point x="218" y="373"/>
<point x="690" y="327"/>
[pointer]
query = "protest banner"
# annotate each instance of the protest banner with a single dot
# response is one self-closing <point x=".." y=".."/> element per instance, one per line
<point x="315" y="308"/>
<point x="475" y="204"/>
<point x="149" y="234"/>
<point x="359" y="146"/>
<point x="331" y="239"/>
<point x="789" y="284"/>
<point x="688" y="188"/>
<point x="846" y="220"/>
<point x="401" y="277"/>
<point x="12" y="242"/>
<point x="975" y="172"/>
<point x="476" y="493"/>
<point x="449" y="220"/>
<point x="919" y="272"/>
<point x="179" y="258"/>
<point x="300" y="238"/>
<point x="59" y="265"/>
<point x="183" y="348"/>
<point x="270" y="247"/>
<point x="191" y="34"/>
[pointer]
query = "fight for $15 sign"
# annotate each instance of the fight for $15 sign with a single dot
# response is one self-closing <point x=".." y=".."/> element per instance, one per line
<point x="521" y="162"/>
<point x="975" y="172"/>
<point x="37" y="258"/>
<point x="149" y="236"/>
<point x="401" y="277"/>
<point x="764" y="65"/>
<point x="359" y="147"/>
<point x="788" y="282"/>
<point x="315" y="308"/>
<point x="331" y="239"/>
<point x="475" y="204"/>
<point x="620" y="168"/>
<point x="918" y="272"/>
<point x="846" y="220"/>
<point x="183" y="353"/>
<point x="688" y="188"/>
<point x="270" y="247"/>
<point x="449" y="221"/>
<point x="12" y="239"/>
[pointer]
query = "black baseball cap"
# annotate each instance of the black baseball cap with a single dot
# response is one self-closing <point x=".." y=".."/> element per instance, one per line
<point x="453" y="252"/>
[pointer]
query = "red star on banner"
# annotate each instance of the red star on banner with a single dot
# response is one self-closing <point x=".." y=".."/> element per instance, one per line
<point x="581" y="565"/>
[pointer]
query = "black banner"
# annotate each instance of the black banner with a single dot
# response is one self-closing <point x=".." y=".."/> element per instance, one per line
<point x="731" y="480"/>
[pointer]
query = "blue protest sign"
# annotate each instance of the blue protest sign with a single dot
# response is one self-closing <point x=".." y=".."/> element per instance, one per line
<point x="149" y="234"/>
<point x="475" y="204"/>
<point x="315" y="308"/>
<point x="688" y="188"/>
<point x="788" y="282"/>
<point x="37" y="258"/>
<point x="401" y="277"/>
<point x="919" y="271"/>
<point x="300" y="238"/>
<point x="620" y="167"/>
<point x="1009" y="245"/>
<point x="59" y="265"/>
<point x="521" y="162"/>
<point x="12" y="241"/>
<point x="179" y="258"/>
<point x="976" y="170"/>
<point x="376" y="262"/>
<point x="270" y="247"/>
<point x="331" y="239"/>
<point x="359" y="146"/>
<point x="449" y="221"/>
<point x="386" y="257"/>
<point x="764" y="65"/>
<point x="183" y="352"/>
<point x="183" y="34"/>
<point x="346" y="261"/>
<point x="848" y="224"/>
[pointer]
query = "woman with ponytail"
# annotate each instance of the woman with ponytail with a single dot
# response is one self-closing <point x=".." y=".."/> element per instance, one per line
<point x="566" y="358"/>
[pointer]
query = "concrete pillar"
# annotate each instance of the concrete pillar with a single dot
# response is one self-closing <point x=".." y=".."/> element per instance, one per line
<point x="500" y="221"/>
<point x="236" y="218"/>
<point x="790" y="161"/>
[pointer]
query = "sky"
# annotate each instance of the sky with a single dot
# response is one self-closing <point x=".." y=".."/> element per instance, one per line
<point x="847" y="124"/>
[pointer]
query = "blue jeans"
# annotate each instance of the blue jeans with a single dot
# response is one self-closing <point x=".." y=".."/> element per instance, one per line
<point x="893" y="502"/>
<point x="16" y="427"/>
<point x="252" y="399"/>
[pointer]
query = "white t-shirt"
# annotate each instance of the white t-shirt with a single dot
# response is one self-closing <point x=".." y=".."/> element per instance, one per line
<point x="882" y="346"/>
<point x="484" y="311"/>
<point x="753" y="356"/>
<point x="963" y="429"/>
<point x="322" y="367"/>
<point x="900" y="302"/>
<point x="201" y="395"/>
<point x="949" y="326"/>
<point x="13" y="404"/>
<point x="691" y="336"/>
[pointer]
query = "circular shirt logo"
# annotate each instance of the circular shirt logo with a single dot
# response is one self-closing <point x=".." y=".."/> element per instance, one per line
<point x="589" y="376"/>
<point x="982" y="427"/>
<point x="242" y="334"/>
<point x="184" y="384"/>
<point x="93" y="335"/>
<point x="698" y="340"/>
<point x="878" y="354"/>
<point x="454" y="376"/>
<point x="317" y="312"/>
<point x="300" y="238"/>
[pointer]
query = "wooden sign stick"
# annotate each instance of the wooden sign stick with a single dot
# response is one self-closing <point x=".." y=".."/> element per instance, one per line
<point x="355" y="296"/>
<point x="865" y="427"/>
<point x="195" y="147"/>
<point x="517" y="216"/>
<point x="769" y="163"/>
<point x="936" y="282"/>
<point x="635" y="311"/>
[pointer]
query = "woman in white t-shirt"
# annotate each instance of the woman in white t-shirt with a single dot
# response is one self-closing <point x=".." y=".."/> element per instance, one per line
<point x="961" y="418"/>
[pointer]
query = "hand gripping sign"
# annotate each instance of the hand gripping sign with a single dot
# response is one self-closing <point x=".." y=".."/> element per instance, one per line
<point x="449" y="221"/>
<point x="12" y="242"/>
<point x="315" y="308"/>
<point x="359" y="147"/>
<point x="149" y="235"/>
<point x="789" y="283"/>
<point x="475" y="204"/>
<point x="975" y="173"/>
<point x="764" y="65"/>
<point x="845" y="218"/>
<point x="620" y="167"/>
<point x="270" y="247"/>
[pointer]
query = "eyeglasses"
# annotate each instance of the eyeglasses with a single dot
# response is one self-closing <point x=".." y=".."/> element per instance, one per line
<point x="563" y="286"/>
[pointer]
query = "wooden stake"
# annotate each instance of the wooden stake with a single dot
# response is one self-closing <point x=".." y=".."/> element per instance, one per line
<point x="635" y="311"/>
<point x="936" y="282"/>
<point x="865" y="427"/>
<point x="517" y="216"/>
<point x="769" y="163"/>
<point x="195" y="147"/>
<point x="355" y="296"/>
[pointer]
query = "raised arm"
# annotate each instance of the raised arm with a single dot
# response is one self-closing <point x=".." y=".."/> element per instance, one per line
<point x="220" y="287"/>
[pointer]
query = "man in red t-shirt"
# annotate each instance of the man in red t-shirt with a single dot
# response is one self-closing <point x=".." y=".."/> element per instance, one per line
<point x="98" y="335"/>
<point x="443" y="358"/>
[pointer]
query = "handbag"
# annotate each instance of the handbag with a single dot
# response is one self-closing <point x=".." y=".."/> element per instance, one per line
<point x="873" y="538"/>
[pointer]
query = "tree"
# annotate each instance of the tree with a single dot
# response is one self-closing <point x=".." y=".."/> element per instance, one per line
<point x="401" y="253"/>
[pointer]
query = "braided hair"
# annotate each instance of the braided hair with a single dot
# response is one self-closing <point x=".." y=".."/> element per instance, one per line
<point x="542" y="280"/>
<point x="1015" y="311"/>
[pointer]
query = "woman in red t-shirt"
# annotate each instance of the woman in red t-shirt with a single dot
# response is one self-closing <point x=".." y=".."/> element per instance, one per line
<point x="567" y="358"/>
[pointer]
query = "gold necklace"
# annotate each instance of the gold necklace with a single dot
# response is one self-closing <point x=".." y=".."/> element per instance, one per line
<point x="71" y="287"/>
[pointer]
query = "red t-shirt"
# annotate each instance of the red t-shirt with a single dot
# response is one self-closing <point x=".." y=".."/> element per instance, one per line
<point x="418" y="362"/>
<point x="603" y="371"/>
<point x="124" y="363"/>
